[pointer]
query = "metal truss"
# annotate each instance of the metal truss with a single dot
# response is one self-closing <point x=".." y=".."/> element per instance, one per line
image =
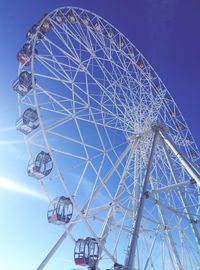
<point x="122" y="151"/>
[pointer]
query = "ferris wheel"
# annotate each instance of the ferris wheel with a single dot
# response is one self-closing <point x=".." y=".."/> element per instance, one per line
<point x="108" y="145"/>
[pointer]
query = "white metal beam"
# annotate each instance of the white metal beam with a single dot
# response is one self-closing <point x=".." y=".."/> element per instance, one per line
<point x="183" y="200"/>
<point x="132" y="251"/>
<point x="170" y="187"/>
<point x="109" y="218"/>
<point x="185" y="163"/>
<point x="53" y="250"/>
<point x="64" y="235"/>
<point x="175" y="260"/>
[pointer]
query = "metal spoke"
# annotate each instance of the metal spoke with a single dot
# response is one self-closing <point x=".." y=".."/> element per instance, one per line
<point x="121" y="151"/>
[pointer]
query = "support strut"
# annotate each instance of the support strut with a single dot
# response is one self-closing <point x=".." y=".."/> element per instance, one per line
<point x="185" y="163"/>
<point x="133" y="245"/>
<point x="53" y="250"/>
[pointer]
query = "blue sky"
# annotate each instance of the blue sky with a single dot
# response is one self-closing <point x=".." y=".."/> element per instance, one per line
<point x="166" y="32"/>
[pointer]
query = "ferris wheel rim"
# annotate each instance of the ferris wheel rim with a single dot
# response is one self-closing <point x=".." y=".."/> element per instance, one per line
<point x="192" y="141"/>
<point x="35" y="94"/>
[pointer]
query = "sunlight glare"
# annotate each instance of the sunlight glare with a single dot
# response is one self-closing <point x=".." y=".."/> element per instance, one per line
<point x="11" y="185"/>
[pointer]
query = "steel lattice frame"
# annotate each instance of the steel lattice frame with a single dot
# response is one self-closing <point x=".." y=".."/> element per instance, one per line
<point x="98" y="102"/>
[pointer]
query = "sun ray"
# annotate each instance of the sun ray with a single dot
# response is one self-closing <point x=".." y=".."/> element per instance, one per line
<point x="6" y="129"/>
<point x="11" y="142"/>
<point x="11" y="185"/>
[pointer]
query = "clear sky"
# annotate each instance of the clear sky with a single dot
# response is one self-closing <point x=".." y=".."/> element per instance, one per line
<point x="166" y="32"/>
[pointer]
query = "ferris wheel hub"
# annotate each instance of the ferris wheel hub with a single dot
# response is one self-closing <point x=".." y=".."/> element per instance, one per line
<point x="96" y="116"/>
<point x="159" y="127"/>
